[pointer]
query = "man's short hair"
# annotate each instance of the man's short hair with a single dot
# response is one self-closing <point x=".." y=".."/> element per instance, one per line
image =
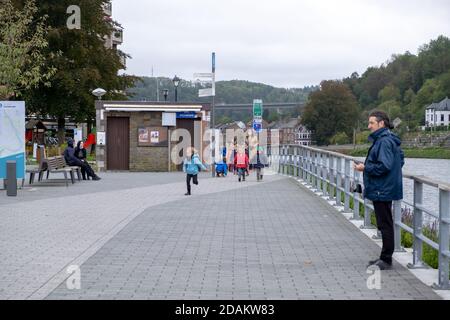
<point x="382" y="116"/>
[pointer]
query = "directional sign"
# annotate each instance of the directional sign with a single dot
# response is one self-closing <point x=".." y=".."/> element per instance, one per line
<point x="209" y="92"/>
<point x="257" y="108"/>
<point x="203" y="75"/>
<point x="257" y="126"/>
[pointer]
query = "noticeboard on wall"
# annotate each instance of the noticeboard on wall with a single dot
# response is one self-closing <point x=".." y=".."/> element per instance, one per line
<point x="152" y="137"/>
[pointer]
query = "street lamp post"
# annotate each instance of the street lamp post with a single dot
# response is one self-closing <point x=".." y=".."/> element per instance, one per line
<point x="99" y="92"/>
<point x="176" y="82"/>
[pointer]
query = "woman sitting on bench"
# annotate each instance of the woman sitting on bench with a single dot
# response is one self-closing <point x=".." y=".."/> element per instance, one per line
<point x="76" y="157"/>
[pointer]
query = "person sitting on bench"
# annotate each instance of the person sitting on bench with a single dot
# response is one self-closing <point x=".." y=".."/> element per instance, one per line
<point x="80" y="153"/>
<point x="72" y="160"/>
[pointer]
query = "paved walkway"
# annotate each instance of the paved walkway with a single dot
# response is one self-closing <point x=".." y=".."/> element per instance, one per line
<point x="136" y="236"/>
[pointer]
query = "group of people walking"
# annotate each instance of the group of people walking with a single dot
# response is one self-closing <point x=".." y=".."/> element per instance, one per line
<point x="382" y="171"/>
<point x="239" y="163"/>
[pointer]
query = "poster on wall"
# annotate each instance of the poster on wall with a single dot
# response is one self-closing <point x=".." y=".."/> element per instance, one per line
<point x="12" y="136"/>
<point x="152" y="137"/>
<point x="143" y="135"/>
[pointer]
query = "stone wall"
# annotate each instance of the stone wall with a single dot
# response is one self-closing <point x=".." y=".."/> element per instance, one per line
<point x="141" y="158"/>
<point x="146" y="158"/>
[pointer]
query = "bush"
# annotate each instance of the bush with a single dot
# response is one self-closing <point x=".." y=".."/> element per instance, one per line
<point x="340" y="138"/>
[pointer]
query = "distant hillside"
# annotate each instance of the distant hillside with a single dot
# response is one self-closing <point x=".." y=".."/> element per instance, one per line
<point x="234" y="91"/>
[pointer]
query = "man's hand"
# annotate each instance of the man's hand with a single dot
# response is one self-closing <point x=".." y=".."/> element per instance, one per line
<point x="359" y="167"/>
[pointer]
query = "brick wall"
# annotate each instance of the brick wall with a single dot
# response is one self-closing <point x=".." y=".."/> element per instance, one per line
<point x="146" y="158"/>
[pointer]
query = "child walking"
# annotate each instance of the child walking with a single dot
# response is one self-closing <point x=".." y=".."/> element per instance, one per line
<point x="241" y="164"/>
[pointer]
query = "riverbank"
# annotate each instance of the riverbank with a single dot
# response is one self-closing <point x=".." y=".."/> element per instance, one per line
<point x="426" y="153"/>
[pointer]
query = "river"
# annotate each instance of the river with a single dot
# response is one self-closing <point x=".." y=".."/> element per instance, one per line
<point x="438" y="169"/>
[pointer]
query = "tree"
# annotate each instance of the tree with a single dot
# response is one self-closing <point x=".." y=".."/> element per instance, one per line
<point x="390" y="92"/>
<point x="330" y="110"/>
<point x="84" y="63"/>
<point x="22" y="42"/>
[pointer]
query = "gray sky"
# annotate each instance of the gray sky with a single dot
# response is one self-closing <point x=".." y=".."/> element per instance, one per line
<point x="285" y="43"/>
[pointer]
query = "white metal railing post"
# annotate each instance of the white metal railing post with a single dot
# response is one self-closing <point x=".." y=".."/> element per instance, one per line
<point x="310" y="167"/>
<point x="444" y="239"/>
<point x="367" y="221"/>
<point x="347" y="186"/>
<point x="356" y="196"/>
<point x="338" y="181"/>
<point x="325" y="171"/>
<point x="397" y="208"/>
<point x="417" y="226"/>
<point x="331" y="177"/>
<point x="304" y="152"/>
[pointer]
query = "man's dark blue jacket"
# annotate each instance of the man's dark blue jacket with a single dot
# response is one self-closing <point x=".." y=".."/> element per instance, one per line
<point x="383" y="167"/>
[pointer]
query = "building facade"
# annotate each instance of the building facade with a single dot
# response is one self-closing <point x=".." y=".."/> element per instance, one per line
<point x="438" y="114"/>
<point x="135" y="136"/>
<point x="116" y="38"/>
<point x="304" y="137"/>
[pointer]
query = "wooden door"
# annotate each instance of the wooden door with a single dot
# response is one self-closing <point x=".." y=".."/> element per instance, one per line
<point x="187" y="124"/>
<point x="118" y="143"/>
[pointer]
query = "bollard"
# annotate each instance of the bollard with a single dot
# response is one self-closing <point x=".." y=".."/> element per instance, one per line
<point x="11" y="189"/>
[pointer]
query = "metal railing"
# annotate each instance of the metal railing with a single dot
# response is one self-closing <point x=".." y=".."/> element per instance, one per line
<point x="330" y="174"/>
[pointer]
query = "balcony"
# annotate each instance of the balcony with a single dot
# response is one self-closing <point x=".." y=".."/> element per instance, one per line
<point x="107" y="9"/>
<point x="117" y="36"/>
<point x="123" y="60"/>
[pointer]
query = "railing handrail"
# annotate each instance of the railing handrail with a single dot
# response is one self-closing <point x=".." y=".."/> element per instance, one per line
<point x="420" y="178"/>
<point x="326" y="176"/>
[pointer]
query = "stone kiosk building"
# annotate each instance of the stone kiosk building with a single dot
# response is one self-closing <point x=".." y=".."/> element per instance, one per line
<point x="131" y="135"/>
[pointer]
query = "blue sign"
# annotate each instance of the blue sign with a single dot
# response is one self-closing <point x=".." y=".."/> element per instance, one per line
<point x="187" y="115"/>
<point x="257" y="126"/>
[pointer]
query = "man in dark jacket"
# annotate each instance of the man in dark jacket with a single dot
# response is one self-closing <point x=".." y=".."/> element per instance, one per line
<point x="72" y="160"/>
<point x="383" y="180"/>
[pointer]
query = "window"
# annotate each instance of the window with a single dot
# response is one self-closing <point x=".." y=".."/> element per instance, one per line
<point x="449" y="118"/>
<point x="442" y="117"/>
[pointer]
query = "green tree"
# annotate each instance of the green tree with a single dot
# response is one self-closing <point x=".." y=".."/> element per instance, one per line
<point x="340" y="138"/>
<point x="84" y="63"/>
<point x="390" y="92"/>
<point x="22" y="42"/>
<point x="330" y="110"/>
<point x="433" y="59"/>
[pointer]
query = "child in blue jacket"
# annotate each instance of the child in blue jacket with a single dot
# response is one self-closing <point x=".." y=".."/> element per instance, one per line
<point x="191" y="166"/>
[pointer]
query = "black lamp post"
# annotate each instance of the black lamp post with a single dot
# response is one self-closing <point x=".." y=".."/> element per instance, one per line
<point x="176" y="82"/>
<point x="165" y="93"/>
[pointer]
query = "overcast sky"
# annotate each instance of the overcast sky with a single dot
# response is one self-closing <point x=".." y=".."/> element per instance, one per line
<point x="285" y="43"/>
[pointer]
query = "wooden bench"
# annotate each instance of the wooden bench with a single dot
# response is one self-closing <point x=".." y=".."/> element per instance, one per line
<point x="52" y="166"/>
<point x="36" y="169"/>
<point x="63" y="164"/>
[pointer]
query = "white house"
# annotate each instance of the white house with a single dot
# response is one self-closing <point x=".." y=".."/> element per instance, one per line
<point x="303" y="136"/>
<point x="438" y="114"/>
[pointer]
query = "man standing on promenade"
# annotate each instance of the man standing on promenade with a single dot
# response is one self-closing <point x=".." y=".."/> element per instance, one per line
<point x="383" y="180"/>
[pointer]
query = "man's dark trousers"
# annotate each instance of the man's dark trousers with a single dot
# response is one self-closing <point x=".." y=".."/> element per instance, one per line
<point x="188" y="181"/>
<point x="383" y="213"/>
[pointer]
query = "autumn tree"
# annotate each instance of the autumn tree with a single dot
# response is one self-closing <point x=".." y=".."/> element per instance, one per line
<point x="331" y="110"/>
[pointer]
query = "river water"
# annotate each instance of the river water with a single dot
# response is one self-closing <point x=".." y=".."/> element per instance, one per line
<point x="437" y="169"/>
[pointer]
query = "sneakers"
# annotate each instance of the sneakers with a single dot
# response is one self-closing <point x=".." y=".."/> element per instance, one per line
<point x="239" y="179"/>
<point x="383" y="265"/>
<point x="187" y="194"/>
<point x="371" y="262"/>
<point x="96" y="178"/>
